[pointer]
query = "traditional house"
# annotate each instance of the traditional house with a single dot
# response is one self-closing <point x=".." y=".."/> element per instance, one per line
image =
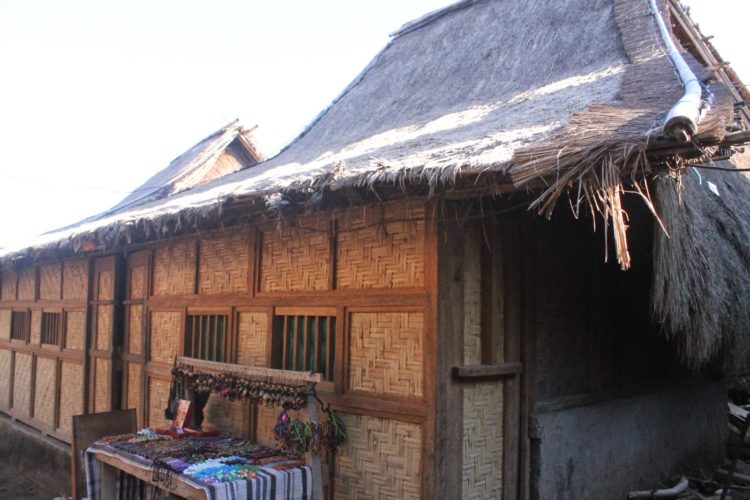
<point x="473" y="348"/>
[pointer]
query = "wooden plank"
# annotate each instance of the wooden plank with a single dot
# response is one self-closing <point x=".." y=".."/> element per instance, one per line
<point x="282" y="376"/>
<point x="487" y="372"/>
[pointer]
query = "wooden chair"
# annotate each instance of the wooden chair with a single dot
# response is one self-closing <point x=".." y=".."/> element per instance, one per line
<point x="89" y="428"/>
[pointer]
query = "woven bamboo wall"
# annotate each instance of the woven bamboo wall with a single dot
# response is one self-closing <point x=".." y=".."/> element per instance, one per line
<point x="294" y="259"/>
<point x="138" y="282"/>
<point x="266" y="419"/>
<point x="381" y="459"/>
<point x="105" y="289"/>
<point x="174" y="268"/>
<point x="9" y="285"/>
<point x="371" y="254"/>
<point x="101" y="385"/>
<point x="165" y="336"/>
<point x="36" y="327"/>
<point x="26" y="283"/>
<point x="75" y="329"/>
<point x="224" y="264"/>
<point x="75" y="279"/>
<point x="229" y="416"/>
<point x="134" y="388"/>
<point x="158" y="393"/>
<point x="5" y="315"/>
<point x="5" y="357"/>
<point x="483" y="440"/>
<point x="103" y="326"/>
<point x="386" y="352"/>
<point x="50" y="281"/>
<point x="44" y="393"/>
<point x="22" y="384"/>
<point x="135" y="325"/>
<point x="71" y="395"/>
<point x="252" y="331"/>
<point x="472" y="297"/>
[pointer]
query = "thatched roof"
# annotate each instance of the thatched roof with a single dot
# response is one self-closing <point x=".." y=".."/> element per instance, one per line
<point x="482" y="97"/>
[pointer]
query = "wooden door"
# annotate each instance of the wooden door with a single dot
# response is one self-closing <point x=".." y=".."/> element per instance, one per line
<point x="136" y="276"/>
<point x="103" y="346"/>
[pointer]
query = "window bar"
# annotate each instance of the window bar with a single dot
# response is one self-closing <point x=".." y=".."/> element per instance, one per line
<point x="332" y="345"/>
<point x="295" y="327"/>
<point x="316" y="348"/>
<point x="328" y="348"/>
<point x="305" y="348"/>
<point x="283" y="344"/>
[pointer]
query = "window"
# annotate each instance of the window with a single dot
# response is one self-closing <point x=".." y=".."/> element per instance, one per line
<point x="51" y="328"/>
<point x="20" y="322"/>
<point x="206" y="337"/>
<point x="304" y="342"/>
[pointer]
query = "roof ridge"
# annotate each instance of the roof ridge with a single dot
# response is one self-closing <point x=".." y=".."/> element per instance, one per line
<point x="430" y="17"/>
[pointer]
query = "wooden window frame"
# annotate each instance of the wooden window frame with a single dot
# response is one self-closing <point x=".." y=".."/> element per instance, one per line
<point x="230" y="342"/>
<point x="26" y="327"/>
<point x="60" y="329"/>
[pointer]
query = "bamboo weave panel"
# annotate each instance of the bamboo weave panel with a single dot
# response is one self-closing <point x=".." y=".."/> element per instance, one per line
<point x="5" y="320"/>
<point x="5" y="357"/>
<point x="36" y="327"/>
<point x="75" y="279"/>
<point x="138" y="282"/>
<point x="22" y="384"/>
<point x="26" y="279"/>
<point x="103" y="327"/>
<point x="386" y="352"/>
<point x="380" y="459"/>
<point x="174" y="268"/>
<point x="229" y="416"/>
<point x="165" y="336"/>
<point x="294" y="259"/>
<point x="252" y="339"/>
<point x="50" y="281"/>
<point x="71" y="394"/>
<point x="158" y="394"/>
<point x="135" y="326"/>
<point x="75" y="329"/>
<point x="9" y="285"/>
<point x="371" y="254"/>
<point x="472" y="297"/>
<point x="134" y="389"/>
<point x="224" y="264"/>
<point x="105" y="290"/>
<point x="44" y="393"/>
<point x="101" y="385"/>
<point x="483" y="441"/>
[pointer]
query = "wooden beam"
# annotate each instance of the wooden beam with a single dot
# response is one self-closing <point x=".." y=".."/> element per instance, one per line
<point x="487" y="372"/>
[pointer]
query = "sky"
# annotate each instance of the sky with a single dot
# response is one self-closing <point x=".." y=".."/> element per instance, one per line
<point x="96" y="95"/>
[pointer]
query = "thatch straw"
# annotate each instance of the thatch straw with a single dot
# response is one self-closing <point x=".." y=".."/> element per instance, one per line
<point x="701" y="285"/>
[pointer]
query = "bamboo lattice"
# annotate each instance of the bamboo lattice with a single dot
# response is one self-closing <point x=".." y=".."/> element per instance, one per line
<point x="293" y="259"/>
<point x="229" y="416"/>
<point x="75" y="329"/>
<point x="5" y="315"/>
<point x="26" y="283"/>
<point x="104" y="289"/>
<point x="483" y="441"/>
<point x="101" y="385"/>
<point x="224" y="263"/>
<point x="375" y="254"/>
<point x="472" y="298"/>
<point x="174" y="268"/>
<point x="135" y="325"/>
<point x="386" y="352"/>
<point x="103" y="326"/>
<point x="252" y="338"/>
<point x="22" y="384"/>
<point x="158" y="394"/>
<point x="137" y="282"/>
<point x="5" y="357"/>
<point x="380" y="459"/>
<point x="165" y="336"/>
<point x="44" y="392"/>
<point x="71" y="395"/>
<point x="9" y="285"/>
<point x="50" y="281"/>
<point x="75" y="279"/>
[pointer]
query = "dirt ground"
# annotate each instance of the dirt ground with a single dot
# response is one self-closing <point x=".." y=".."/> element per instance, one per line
<point x="29" y="482"/>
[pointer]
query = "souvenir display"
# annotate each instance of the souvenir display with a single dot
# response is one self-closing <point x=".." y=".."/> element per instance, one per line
<point x="297" y="437"/>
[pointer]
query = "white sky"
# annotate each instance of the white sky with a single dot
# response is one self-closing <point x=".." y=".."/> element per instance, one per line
<point x="95" y="96"/>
